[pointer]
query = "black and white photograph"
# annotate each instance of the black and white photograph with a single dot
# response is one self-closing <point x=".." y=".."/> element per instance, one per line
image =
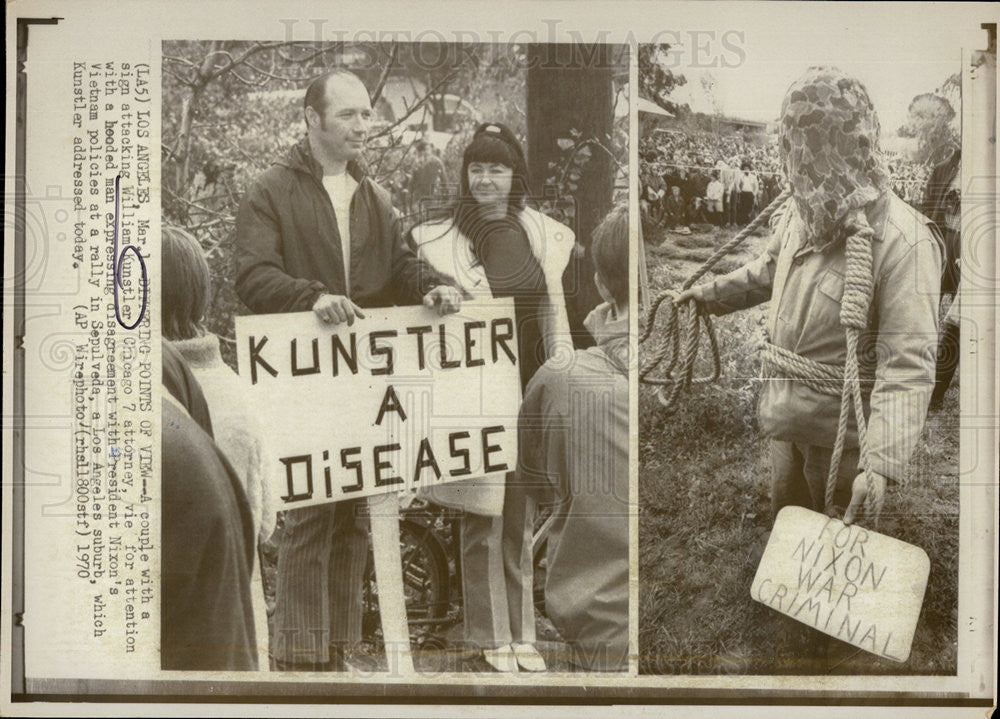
<point x="335" y="179"/>
<point x="799" y="352"/>
<point x="465" y="358"/>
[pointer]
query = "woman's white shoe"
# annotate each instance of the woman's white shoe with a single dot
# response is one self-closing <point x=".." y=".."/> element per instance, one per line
<point x="528" y="657"/>
<point x="502" y="659"/>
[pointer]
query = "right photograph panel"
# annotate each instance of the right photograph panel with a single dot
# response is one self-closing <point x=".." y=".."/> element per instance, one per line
<point x="799" y="404"/>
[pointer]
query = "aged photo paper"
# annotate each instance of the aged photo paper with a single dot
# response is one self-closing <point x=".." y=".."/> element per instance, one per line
<point x="484" y="356"/>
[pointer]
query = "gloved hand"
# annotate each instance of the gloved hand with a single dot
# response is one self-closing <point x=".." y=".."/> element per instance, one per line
<point x="692" y="293"/>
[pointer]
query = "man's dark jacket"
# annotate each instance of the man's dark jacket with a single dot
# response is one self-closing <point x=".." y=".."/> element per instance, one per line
<point x="935" y="205"/>
<point x="288" y="248"/>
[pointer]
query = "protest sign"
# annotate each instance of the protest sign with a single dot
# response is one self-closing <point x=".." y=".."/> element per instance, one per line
<point x="403" y="398"/>
<point x="854" y="584"/>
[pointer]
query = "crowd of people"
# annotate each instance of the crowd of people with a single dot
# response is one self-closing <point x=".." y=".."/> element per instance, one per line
<point x="315" y="234"/>
<point x="420" y="184"/>
<point x="702" y="179"/>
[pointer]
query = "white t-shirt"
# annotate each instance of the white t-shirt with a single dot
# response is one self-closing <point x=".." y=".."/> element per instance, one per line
<point x="748" y="182"/>
<point x="341" y="189"/>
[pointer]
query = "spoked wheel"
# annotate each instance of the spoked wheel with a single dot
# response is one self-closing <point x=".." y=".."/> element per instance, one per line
<point x="426" y="580"/>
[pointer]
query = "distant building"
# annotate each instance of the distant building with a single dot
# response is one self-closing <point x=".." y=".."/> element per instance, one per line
<point x="654" y="119"/>
<point x="735" y="124"/>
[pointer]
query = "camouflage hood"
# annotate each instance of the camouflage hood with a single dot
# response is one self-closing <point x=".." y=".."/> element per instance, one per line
<point x="829" y="146"/>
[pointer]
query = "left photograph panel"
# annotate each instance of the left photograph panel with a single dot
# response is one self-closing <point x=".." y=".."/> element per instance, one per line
<point x="395" y="344"/>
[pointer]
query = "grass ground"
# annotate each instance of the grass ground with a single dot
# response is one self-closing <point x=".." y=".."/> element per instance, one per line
<point x="705" y="513"/>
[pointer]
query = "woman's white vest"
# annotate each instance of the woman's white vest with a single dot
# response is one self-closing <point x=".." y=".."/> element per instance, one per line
<point x="450" y="253"/>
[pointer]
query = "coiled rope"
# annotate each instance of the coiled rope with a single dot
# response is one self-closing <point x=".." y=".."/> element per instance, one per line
<point x="681" y="332"/>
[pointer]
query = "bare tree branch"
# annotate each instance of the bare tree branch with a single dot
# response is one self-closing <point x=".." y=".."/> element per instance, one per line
<point x="199" y="207"/>
<point x="248" y="83"/>
<point x="181" y="60"/>
<point x="186" y="81"/>
<point x="233" y="62"/>
<point x="273" y="75"/>
<point x="377" y="92"/>
<point x="339" y="46"/>
<point x="444" y="81"/>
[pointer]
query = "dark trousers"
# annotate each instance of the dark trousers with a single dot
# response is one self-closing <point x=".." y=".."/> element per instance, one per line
<point x="745" y="208"/>
<point x="799" y="471"/>
<point x="321" y="566"/>
<point x="798" y="477"/>
<point x="729" y="209"/>
<point x="947" y="361"/>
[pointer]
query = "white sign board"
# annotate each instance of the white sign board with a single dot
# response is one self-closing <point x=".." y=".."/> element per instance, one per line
<point x="403" y="398"/>
<point x="854" y="584"/>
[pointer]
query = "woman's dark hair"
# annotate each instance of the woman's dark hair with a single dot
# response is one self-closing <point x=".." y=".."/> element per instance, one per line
<point x="492" y="142"/>
<point x="186" y="284"/>
<point x="609" y="248"/>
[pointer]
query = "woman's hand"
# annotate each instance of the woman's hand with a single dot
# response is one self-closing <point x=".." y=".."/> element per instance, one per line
<point x="446" y="298"/>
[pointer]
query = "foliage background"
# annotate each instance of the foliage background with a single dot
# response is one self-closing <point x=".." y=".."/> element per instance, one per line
<point x="230" y="109"/>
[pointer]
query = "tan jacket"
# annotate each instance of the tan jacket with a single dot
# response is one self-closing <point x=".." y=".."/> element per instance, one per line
<point x="897" y="353"/>
<point x="573" y="438"/>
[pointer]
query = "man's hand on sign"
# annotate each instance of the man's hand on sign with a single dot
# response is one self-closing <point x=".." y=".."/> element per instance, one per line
<point x="335" y="309"/>
<point x="868" y="491"/>
<point x="446" y="298"/>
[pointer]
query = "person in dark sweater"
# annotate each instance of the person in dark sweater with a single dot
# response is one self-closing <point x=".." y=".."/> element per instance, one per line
<point x="206" y="617"/>
<point x="942" y="204"/>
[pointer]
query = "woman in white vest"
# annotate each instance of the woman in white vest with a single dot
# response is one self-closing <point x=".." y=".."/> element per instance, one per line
<point x="492" y="245"/>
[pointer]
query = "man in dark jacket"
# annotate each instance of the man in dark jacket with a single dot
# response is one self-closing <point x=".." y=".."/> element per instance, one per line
<point x="314" y="233"/>
<point x="943" y="204"/>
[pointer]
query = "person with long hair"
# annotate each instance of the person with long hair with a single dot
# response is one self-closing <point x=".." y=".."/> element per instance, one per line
<point x="187" y="290"/>
<point x="573" y="456"/>
<point x="491" y="244"/>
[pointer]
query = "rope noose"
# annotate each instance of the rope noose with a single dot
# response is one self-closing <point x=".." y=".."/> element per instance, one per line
<point x="682" y="330"/>
<point x="858" y="291"/>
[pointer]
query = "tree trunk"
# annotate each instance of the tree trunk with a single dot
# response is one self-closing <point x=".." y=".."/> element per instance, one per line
<point x="569" y="87"/>
<point x="182" y="176"/>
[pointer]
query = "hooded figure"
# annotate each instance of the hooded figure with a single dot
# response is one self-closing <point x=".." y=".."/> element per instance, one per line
<point x="849" y="265"/>
<point x="829" y="146"/>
